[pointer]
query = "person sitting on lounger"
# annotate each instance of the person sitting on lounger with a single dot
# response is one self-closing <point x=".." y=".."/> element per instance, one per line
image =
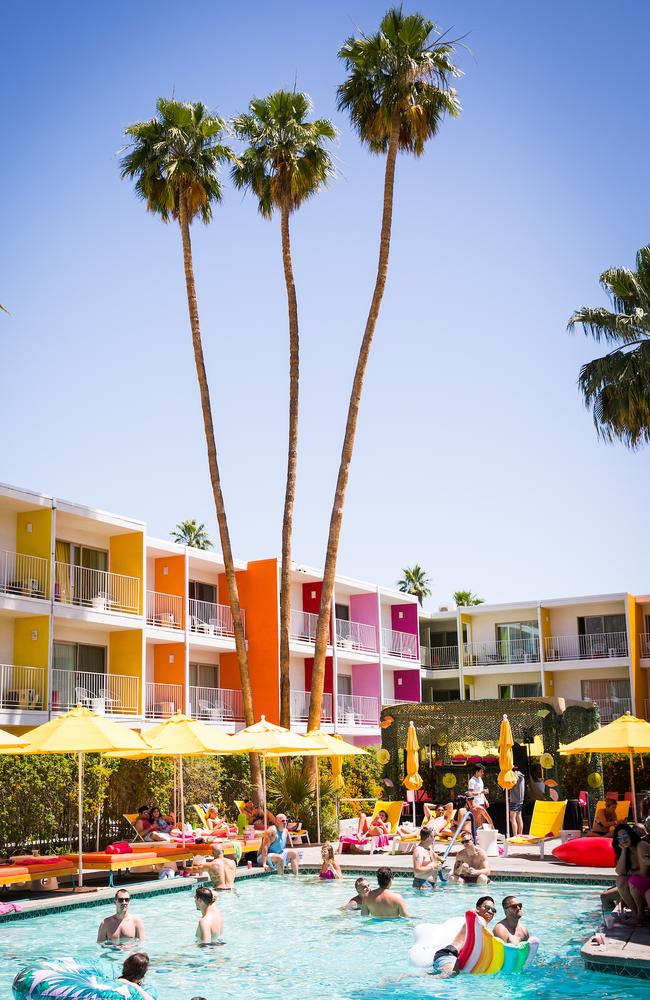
<point x="133" y="972"/>
<point x="214" y="824"/>
<point x="142" y="823"/>
<point x="121" y="925"/>
<point x="480" y="813"/>
<point x="376" y="826"/>
<point x="210" y="925"/>
<point x="160" y="828"/>
<point x="255" y="815"/>
<point x="438" y="819"/>
<point x="605" y="819"/>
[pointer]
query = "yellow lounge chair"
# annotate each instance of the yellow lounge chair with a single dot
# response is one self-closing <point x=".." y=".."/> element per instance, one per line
<point x="200" y="810"/>
<point x="622" y="809"/>
<point x="545" y="824"/>
<point x="392" y="809"/>
<point x="131" y="818"/>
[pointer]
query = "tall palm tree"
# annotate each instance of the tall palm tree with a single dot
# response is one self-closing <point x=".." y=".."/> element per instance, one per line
<point x="285" y="163"/>
<point x="174" y="160"/>
<point x="193" y="534"/>
<point x="617" y="386"/>
<point x="397" y="94"/>
<point x="466" y="599"/>
<point x="415" y="581"/>
<point x="4" y="309"/>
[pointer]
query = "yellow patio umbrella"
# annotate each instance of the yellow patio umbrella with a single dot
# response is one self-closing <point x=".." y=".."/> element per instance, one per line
<point x="626" y="734"/>
<point x="413" y="779"/>
<point x="507" y="778"/>
<point x="8" y="741"/>
<point x="80" y="731"/>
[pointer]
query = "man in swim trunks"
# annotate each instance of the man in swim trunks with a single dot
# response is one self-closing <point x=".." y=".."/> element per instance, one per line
<point x="510" y="929"/>
<point x="444" y="960"/>
<point x="471" y="866"/>
<point x="122" y="925"/>
<point x="382" y="902"/>
<point x="221" y="869"/>
<point x="362" y="886"/>
<point x="275" y="853"/>
<point x="425" y="862"/>
<point x="210" y="925"/>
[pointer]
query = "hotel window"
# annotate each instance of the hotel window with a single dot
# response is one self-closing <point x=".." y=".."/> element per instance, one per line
<point x="202" y="592"/>
<point x="205" y="675"/>
<point x="79" y="657"/>
<point x="519" y="641"/>
<point x="508" y="691"/>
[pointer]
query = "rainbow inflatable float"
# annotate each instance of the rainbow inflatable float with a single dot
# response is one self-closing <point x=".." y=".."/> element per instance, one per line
<point x="64" y="977"/>
<point x="481" y="954"/>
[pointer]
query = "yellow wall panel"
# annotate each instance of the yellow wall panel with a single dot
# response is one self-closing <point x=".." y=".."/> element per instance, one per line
<point x="38" y="541"/>
<point x="638" y="675"/>
<point x="30" y="651"/>
<point x="125" y="655"/>
<point x="127" y="557"/>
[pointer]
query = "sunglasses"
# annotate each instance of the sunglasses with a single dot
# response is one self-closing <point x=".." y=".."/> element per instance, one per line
<point x="124" y="899"/>
<point x="467" y="841"/>
<point x="515" y="906"/>
<point x="489" y="909"/>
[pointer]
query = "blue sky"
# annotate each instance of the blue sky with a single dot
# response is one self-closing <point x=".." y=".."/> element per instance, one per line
<point x="475" y="456"/>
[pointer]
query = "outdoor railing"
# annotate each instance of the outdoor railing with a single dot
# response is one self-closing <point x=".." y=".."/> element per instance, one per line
<point x="402" y="644"/>
<point x="612" y="708"/>
<point x="356" y="635"/>
<point x="585" y="647"/>
<point x="23" y="687"/>
<point x="300" y="706"/>
<point x="357" y="710"/>
<point x="162" y="700"/>
<point x="213" y="619"/>
<point x="106" y="694"/>
<point x="164" y="610"/>
<point x="97" y="589"/>
<point x="501" y="651"/>
<point x="644" y="640"/>
<point x="302" y="626"/>
<point x="439" y="657"/>
<point x="216" y="704"/>
<point x="23" y="576"/>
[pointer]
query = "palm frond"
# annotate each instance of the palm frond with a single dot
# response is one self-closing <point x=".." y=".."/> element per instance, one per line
<point x="617" y="389"/>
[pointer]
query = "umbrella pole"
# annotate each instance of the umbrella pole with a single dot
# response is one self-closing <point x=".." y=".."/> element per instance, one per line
<point x="633" y="788"/>
<point x="80" y="871"/>
<point x="507" y="821"/>
<point x="264" y="786"/>
<point x="180" y="774"/>
<point x="175" y="789"/>
<point x="99" y="803"/>
<point x="317" y="800"/>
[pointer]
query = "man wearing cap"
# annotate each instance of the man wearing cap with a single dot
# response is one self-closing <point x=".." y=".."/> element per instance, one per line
<point x="275" y="853"/>
<point x="605" y="819"/>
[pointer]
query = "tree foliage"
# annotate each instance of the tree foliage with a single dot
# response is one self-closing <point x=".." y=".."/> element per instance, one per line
<point x="415" y="581"/>
<point x="193" y="534"/>
<point x="466" y="598"/>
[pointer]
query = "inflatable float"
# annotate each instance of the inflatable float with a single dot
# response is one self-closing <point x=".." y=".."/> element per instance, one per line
<point x="482" y="952"/>
<point x="596" y="852"/>
<point x="65" y="977"/>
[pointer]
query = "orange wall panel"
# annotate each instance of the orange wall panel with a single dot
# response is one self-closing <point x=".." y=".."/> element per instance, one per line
<point x="165" y="672"/>
<point x="171" y="582"/>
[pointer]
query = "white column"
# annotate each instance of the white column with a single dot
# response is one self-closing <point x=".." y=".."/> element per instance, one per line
<point x="50" y="637"/>
<point x="461" y="668"/>
<point x="380" y="646"/>
<point x="186" y="652"/>
<point x="541" y="649"/>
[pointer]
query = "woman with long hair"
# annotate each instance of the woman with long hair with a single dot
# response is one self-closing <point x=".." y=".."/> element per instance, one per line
<point x="632" y="866"/>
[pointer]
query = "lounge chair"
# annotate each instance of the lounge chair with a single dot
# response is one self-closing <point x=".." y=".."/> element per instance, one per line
<point x="545" y="824"/>
<point x="131" y="818"/>
<point x="357" y="845"/>
<point x="622" y="809"/>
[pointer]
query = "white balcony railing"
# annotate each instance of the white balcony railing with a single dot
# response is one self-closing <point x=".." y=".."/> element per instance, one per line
<point x="216" y="704"/>
<point x="644" y="640"/>
<point x="23" y="687"/>
<point x="107" y="694"/>
<point x="585" y="647"/>
<point x="357" y="710"/>
<point x="23" y="576"/>
<point x="501" y="651"/>
<point x="164" y="610"/>
<point x="300" y="706"/>
<point x="213" y="619"/>
<point x="356" y="635"/>
<point x="302" y="626"/>
<point x="162" y="700"/>
<point x="402" y="644"/>
<point x="612" y="708"/>
<point x="439" y="657"/>
<point x="97" y="589"/>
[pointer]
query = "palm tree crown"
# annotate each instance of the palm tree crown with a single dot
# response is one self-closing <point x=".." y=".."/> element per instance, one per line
<point x="399" y="71"/>
<point x="286" y="161"/>
<point x="178" y="151"/>
<point x="415" y="581"/>
<point x="193" y="534"/>
<point x="617" y="386"/>
<point x="466" y="599"/>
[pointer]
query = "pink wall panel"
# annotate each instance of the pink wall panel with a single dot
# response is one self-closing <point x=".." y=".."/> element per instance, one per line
<point x="409" y="620"/>
<point x="409" y="689"/>
<point x="365" y="679"/>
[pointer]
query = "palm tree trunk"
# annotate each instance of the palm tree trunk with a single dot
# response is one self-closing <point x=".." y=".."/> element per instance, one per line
<point x="224" y="533"/>
<point x="292" y="461"/>
<point x="322" y="627"/>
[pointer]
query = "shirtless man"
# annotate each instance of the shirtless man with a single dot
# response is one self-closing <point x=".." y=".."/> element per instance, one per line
<point x="221" y="869"/>
<point x="382" y="902"/>
<point x="122" y="925"/>
<point x="605" y="820"/>
<point x="471" y="866"/>
<point x="511" y="929"/>
<point x="362" y="886"/>
<point x="425" y="862"/>
<point x="210" y="926"/>
<point x="444" y="960"/>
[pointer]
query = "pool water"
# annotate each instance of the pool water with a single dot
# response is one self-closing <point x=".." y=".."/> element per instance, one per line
<point x="284" y="938"/>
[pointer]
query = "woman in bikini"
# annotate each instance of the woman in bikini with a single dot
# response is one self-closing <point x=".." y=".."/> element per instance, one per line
<point x="377" y="826"/>
<point x="632" y="869"/>
<point x="330" y="867"/>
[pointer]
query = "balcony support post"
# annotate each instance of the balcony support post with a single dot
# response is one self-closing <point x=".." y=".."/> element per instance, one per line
<point x="335" y="667"/>
<point x="50" y="636"/>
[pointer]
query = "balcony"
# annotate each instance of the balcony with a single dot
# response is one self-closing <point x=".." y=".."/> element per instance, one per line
<point x="302" y="626"/>
<point x="96" y="589"/>
<point x="439" y="657"/>
<point x="612" y="708"/>
<point x="300" y="706"/>
<point x="164" y="610"/>
<point x="106" y="694"/>
<point x="644" y="641"/>
<point x="23" y="687"/>
<point x="401" y="644"/>
<point x="603" y="645"/>
<point x="23" y="576"/>
<point x="162" y="700"/>
<point x="216" y="704"/>
<point x="213" y="619"/>
<point x="501" y="652"/>
<point x="357" y="710"/>
<point x="356" y="636"/>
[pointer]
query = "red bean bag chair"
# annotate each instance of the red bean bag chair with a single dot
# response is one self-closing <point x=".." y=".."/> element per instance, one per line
<point x="594" y="852"/>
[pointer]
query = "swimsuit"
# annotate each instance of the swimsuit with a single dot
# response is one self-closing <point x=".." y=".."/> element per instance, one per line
<point x="444" y="958"/>
<point x="328" y="874"/>
<point x="640" y="882"/>
<point x="420" y="883"/>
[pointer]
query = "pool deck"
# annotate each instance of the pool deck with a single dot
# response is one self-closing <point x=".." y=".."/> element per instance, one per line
<point x="621" y="949"/>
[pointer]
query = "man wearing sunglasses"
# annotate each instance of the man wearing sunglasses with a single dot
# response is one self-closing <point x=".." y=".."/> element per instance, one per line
<point x="444" y="960"/>
<point x="471" y="865"/>
<point x="362" y="885"/>
<point x="122" y="925"/>
<point x="511" y="929"/>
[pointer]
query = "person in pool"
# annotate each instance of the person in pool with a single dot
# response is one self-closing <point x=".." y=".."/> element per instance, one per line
<point x="425" y="861"/>
<point x="210" y="925"/>
<point x="471" y="865"/>
<point x="122" y="925"/>
<point x="362" y="885"/>
<point x="221" y="869"/>
<point x="382" y="902"/>
<point x="446" y="958"/>
<point x="510" y="929"/>
<point x="133" y="972"/>
<point x="330" y="867"/>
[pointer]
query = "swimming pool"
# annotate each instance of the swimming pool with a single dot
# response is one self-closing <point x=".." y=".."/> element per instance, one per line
<point x="284" y="937"/>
